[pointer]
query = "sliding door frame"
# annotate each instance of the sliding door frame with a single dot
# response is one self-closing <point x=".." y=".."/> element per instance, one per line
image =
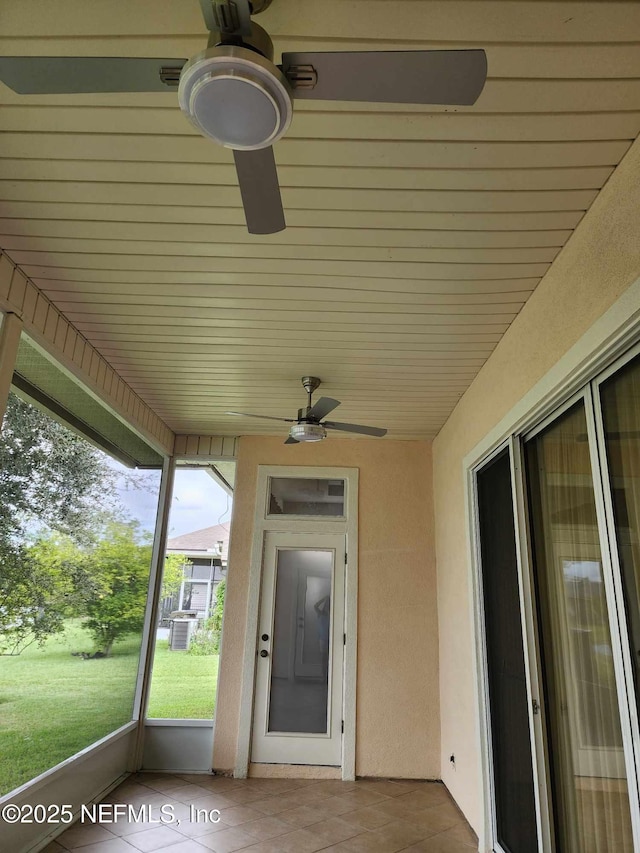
<point x="524" y="429"/>
<point x="604" y="492"/>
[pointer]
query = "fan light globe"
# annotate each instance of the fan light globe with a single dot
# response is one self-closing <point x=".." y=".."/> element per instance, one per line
<point x="236" y="97"/>
<point x="308" y="432"/>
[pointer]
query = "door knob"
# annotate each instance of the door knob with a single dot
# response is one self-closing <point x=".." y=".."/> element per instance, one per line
<point x="264" y="653"/>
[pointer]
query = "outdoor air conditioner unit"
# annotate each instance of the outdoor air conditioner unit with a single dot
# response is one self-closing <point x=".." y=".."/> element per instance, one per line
<point x="181" y="633"/>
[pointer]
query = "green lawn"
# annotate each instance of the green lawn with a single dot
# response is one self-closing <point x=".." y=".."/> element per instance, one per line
<point x="182" y="685"/>
<point x="53" y="704"/>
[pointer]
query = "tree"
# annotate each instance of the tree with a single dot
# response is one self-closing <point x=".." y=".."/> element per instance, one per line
<point x="116" y="580"/>
<point x="50" y="480"/>
<point x="173" y="574"/>
<point x="48" y="476"/>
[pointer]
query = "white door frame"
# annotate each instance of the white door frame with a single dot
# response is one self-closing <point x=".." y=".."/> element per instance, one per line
<point x="347" y="525"/>
<point x="281" y="746"/>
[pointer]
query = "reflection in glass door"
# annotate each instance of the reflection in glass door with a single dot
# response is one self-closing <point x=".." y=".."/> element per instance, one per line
<point x="298" y="701"/>
<point x="620" y="400"/>
<point x="588" y="778"/>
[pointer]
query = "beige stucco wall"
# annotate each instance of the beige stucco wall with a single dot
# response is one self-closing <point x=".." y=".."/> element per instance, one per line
<point x="595" y="268"/>
<point x="398" y="722"/>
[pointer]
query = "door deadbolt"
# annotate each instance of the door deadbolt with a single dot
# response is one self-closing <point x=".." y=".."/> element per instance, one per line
<point x="264" y="653"/>
<point x="265" y="637"/>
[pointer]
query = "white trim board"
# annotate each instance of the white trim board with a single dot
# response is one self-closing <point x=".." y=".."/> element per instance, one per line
<point x="262" y="524"/>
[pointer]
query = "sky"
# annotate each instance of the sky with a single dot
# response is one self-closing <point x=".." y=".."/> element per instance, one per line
<point x="197" y="500"/>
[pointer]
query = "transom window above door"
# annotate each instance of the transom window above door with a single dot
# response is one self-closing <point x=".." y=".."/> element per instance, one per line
<point x="308" y="496"/>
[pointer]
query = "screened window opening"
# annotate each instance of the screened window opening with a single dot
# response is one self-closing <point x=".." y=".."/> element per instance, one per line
<point x="76" y="530"/>
<point x="188" y="629"/>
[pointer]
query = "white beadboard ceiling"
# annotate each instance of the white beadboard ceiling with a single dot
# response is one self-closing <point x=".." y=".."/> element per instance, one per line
<point x="415" y="234"/>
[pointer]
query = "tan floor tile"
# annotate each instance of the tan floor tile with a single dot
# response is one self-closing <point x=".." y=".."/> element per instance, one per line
<point x="366" y="842"/>
<point x="150" y="840"/>
<point x="245" y="796"/>
<point x="436" y="819"/>
<point x="335" y="787"/>
<point x="390" y="788"/>
<point x="441" y="843"/>
<point x="213" y="800"/>
<point x="367" y="818"/>
<point x="53" y="847"/>
<point x="360" y="798"/>
<point x="227" y="841"/>
<point x="334" y="830"/>
<point x="274" y="805"/>
<point x="188" y="792"/>
<point x="199" y="828"/>
<point x="166" y="783"/>
<point x="429" y="795"/>
<point x="400" y="834"/>
<point x="463" y="832"/>
<point x="221" y="784"/>
<point x="308" y="796"/>
<point x="118" y="845"/>
<point x="266" y="828"/>
<point x="236" y="815"/>
<point x="300" y="841"/>
<point x="81" y="835"/>
<point x="394" y="809"/>
<point x="301" y="816"/>
<point x="187" y="845"/>
<point x="123" y="828"/>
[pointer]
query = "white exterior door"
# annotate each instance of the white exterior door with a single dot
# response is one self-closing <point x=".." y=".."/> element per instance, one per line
<point x="299" y="672"/>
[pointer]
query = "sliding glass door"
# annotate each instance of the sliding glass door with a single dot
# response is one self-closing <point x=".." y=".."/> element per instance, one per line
<point x="557" y="515"/>
<point x="587" y="761"/>
<point x="508" y="712"/>
<point x="620" y="402"/>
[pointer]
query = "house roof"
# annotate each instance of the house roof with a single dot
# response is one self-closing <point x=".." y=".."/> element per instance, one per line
<point x="415" y="233"/>
<point x="203" y="540"/>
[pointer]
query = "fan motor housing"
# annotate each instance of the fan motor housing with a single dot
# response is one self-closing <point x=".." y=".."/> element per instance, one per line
<point x="236" y="96"/>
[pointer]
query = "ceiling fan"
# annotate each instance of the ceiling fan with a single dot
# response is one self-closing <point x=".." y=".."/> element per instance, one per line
<point x="307" y="426"/>
<point x="234" y="94"/>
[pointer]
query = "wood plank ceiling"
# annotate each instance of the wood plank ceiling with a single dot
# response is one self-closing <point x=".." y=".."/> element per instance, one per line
<point x="415" y="235"/>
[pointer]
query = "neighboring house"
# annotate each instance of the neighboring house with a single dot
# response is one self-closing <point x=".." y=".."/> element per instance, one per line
<point x="206" y="552"/>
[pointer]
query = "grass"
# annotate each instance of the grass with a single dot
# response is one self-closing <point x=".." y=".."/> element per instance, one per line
<point x="183" y="686"/>
<point x="53" y="704"/>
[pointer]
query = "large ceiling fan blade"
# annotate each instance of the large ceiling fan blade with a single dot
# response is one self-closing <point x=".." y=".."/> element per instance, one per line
<point x="60" y="75"/>
<point x="322" y="407"/>
<point x="263" y="417"/>
<point x="363" y="430"/>
<point x="398" y="77"/>
<point x="258" y="179"/>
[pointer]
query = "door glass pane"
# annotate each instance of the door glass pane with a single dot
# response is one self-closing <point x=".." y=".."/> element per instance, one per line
<point x="301" y="641"/>
<point x="620" y="397"/>
<point x="509" y="709"/>
<point x="591" y="803"/>
<point x="306" y="496"/>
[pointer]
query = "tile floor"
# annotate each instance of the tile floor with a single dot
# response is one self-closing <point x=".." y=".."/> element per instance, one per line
<point x="277" y="816"/>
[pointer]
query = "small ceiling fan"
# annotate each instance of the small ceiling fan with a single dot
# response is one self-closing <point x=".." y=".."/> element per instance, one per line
<point x="307" y="426"/>
<point x="234" y="94"/>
